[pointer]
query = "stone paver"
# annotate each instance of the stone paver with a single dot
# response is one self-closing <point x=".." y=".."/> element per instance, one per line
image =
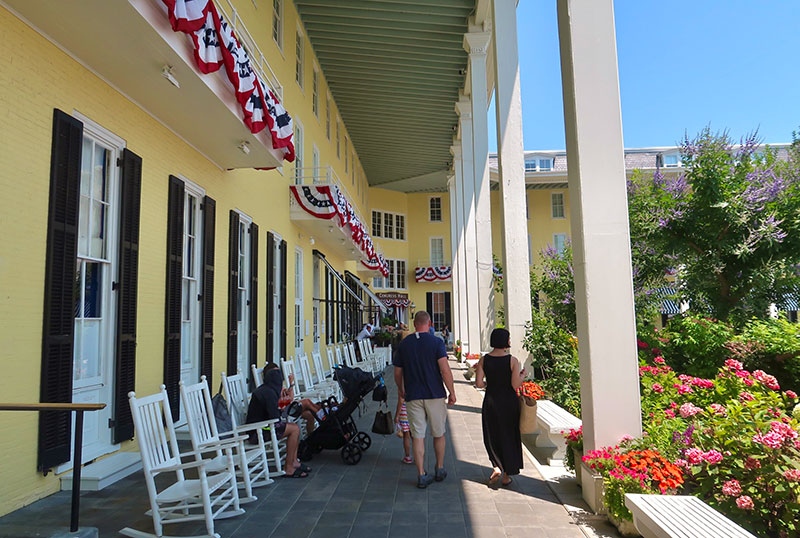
<point x="376" y="498"/>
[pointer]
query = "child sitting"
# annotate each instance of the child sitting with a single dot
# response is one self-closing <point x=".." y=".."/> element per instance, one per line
<point x="402" y="429"/>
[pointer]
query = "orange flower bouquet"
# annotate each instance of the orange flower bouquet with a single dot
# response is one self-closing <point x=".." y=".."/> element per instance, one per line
<point x="530" y="392"/>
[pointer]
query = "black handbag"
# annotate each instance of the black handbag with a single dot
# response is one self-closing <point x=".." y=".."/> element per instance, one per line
<point x="383" y="423"/>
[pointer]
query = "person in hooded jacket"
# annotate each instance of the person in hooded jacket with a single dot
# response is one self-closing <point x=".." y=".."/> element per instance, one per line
<point x="264" y="406"/>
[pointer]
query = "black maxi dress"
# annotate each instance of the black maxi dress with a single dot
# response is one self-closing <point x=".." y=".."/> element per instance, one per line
<point x="501" y="434"/>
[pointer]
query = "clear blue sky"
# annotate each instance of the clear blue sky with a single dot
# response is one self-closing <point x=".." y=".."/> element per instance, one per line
<point x="731" y="64"/>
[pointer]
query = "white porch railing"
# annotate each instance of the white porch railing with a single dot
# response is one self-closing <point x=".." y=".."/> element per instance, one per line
<point x="326" y="175"/>
<point x="257" y="59"/>
<point x="433" y="263"/>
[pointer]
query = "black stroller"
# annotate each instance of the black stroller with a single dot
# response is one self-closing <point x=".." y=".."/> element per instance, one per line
<point x="337" y="430"/>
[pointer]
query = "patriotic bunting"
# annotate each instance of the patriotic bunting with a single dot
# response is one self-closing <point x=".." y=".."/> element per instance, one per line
<point x="328" y="202"/>
<point x="431" y="274"/>
<point x="216" y="46"/>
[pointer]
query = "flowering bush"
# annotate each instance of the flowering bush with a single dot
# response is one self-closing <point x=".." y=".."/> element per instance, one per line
<point x="574" y="440"/>
<point x="530" y="389"/>
<point x="458" y="349"/>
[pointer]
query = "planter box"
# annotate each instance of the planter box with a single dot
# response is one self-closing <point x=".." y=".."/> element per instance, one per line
<point x="625" y="527"/>
<point x="593" y="489"/>
<point x="577" y="457"/>
<point x="527" y="417"/>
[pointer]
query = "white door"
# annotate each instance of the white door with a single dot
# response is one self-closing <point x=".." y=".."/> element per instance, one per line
<point x="315" y="314"/>
<point x="243" y="313"/>
<point x="276" y="299"/>
<point x="95" y="302"/>
<point x="298" y="301"/>
<point x="190" y="292"/>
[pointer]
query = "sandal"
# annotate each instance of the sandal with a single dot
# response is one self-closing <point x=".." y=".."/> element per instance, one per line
<point x="298" y="473"/>
<point x="408" y="460"/>
<point x="504" y="484"/>
<point x="494" y="478"/>
<point x="303" y="467"/>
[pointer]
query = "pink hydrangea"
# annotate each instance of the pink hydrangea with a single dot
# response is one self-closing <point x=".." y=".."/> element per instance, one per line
<point x="713" y="457"/>
<point x="743" y="373"/>
<point x="704" y="383"/>
<point x="749" y="382"/>
<point x="694" y="455"/>
<point x="682" y="463"/>
<point x="683" y="389"/>
<point x="659" y="360"/>
<point x="669" y="413"/>
<point x="752" y="463"/>
<point x="792" y="475"/>
<point x="770" y="439"/>
<point x="733" y="364"/>
<point x="746" y="397"/>
<point x="767" y="379"/>
<point x="718" y="409"/>
<point x="658" y="388"/>
<point x="790" y="394"/>
<point x="745" y="503"/>
<point x="786" y="431"/>
<point x="673" y="405"/>
<point x="732" y="488"/>
<point x="689" y="410"/>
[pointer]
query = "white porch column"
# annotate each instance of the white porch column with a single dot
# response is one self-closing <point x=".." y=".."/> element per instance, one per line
<point x="451" y="189"/>
<point x="610" y="402"/>
<point x="511" y="166"/>
<point x="472" y="337"/>
<point x="459" y="245"/>
<point x="477" y="44"/>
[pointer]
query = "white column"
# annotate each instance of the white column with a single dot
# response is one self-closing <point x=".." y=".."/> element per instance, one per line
<point x="459" y="245"/>
<point x="476" y="44"/>
<point x="610" y="404"/>
<point x="470" y="265"/>
<point x="511" y="166"/>
<point x="451" y="189"/>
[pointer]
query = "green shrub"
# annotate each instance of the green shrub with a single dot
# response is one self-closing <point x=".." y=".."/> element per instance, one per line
<point x="772" y="345"/>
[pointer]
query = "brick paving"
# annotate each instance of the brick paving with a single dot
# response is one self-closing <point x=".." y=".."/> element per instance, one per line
<point x="376" y="498"/>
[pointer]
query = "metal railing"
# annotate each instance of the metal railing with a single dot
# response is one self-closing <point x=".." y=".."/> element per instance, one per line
<point x="257" y="59"/>
<point x="326" y="175"/>
<point x="77" y="447"/>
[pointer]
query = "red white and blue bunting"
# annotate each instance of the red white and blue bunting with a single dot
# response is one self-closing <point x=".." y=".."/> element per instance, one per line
<point x="216" y="46"/>
<point x="431" y="274"/>
<point x="328" y="202"/>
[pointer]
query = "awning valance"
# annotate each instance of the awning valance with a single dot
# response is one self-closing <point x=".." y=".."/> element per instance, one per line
<point x="669" y="306"/>
<point x="372" y="296"/>
<point x="321" y="256"/>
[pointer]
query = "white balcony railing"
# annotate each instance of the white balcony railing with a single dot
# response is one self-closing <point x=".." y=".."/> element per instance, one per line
<point x="326" y="175"/>
<point x="433" y="263"/>
<point x="257" y="59"/>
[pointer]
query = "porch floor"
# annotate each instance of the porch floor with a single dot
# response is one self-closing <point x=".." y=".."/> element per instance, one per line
<point x="376" y="498"/>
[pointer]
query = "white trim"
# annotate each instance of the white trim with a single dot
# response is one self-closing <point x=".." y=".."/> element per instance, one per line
<point x="430" y="249"/>
<point x="563" y="205"/>
<point x="191" y="186"/>
<point x="101" y="77"/>
<point x="281" y="21"/>
<point x="394" y="225"/>
<point x="441" y="208"/>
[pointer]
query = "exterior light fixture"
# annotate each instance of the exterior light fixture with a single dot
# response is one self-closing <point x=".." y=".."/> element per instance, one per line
<point x="166" y="72"/>
<point x="244" y="147"/>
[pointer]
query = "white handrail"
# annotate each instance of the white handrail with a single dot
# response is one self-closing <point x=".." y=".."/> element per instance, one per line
<point x="260" y="64"/>
<point x="428" y="263"/>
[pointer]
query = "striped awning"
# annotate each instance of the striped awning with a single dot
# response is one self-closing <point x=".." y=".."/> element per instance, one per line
<point x="790" y="302"/>
<point x="669" y="305"/>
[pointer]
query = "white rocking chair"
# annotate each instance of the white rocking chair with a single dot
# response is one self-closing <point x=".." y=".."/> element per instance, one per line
<point x="340" y="360"/>
<point x="319" y="392"/>
<point x="332" y="364"/>
<point x="274" y="451"/>
<point x="210" y="496"/>
<point x="328" y="387"/>
<point x="251" y="462"/>
<point x="258" y="375"/>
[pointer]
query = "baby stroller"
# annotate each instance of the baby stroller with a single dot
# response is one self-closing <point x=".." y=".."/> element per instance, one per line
<point x="337" y="429"/>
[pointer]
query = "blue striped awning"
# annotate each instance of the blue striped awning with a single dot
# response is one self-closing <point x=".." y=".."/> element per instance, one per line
<point x="790" y="302"/>
<point x="669" y="305"/>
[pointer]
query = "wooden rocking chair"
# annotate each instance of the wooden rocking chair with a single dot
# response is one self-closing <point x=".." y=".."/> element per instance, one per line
<point x="210" y="496"/>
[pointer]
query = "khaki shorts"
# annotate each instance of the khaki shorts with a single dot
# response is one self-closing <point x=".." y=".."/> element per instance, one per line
<point x="420" y="412"/>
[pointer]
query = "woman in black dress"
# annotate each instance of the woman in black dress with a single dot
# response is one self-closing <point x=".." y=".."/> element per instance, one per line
<point x="503" y="376"/>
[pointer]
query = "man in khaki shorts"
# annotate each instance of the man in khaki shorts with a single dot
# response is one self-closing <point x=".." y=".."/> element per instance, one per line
<point x="421" y="371"/>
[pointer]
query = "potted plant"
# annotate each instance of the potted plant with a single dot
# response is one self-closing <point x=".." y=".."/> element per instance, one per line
<point x="458" y="350"/>
<point x="529" y="393"/>
<point x="574" y="442"/>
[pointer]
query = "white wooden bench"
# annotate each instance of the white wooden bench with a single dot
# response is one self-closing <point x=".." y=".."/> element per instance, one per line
<point x="551" y="421"/>
<point x="679" y="516"/>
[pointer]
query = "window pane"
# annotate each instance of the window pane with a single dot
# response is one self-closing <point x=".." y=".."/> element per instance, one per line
<point x="557" y="205"/>
<point x="390" y="279"/>
<point x="89" y="304"/>
<point x="545" y="164"/>
<point x="388" y="225"/>
<point x="186" y="309"/>
<point x="98" y="220"/>
<point x="88" y="339"/>
<point x="298" y="72"/>
<point x="401" y="274"/>
<point x="100" y="173"/>
<point x="530" y="165"/>
<point x="376" y="223"/>
<point x="400" y="229"/>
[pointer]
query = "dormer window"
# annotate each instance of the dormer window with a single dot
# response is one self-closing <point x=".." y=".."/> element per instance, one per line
<point x="538" y="164"/>
<point x="672" y="160"/>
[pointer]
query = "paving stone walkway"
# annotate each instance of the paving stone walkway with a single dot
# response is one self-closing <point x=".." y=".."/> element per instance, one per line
<point x="376" y="498"/>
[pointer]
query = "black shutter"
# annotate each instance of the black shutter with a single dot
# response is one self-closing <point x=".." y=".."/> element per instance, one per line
<point x="207" y="296"/>
<point x="233" y="293"/>
<point x="270" y="293"/>
<point x="283" y="298"/>
<point x="55" y="427"/>
<point x="429" y="303"/>
<point x="253" y="295"/>
<point x="125" y="368"/>
<point x="447" y="311"/>
<point x="172" y="316"/>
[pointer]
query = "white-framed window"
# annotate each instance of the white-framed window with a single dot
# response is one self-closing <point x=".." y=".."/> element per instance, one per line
<point x="557" y="205"/>
<point x="315" y="92"/>
<point x="346" y="155"/>
<point x="538" y="164"/>
<point x="388" y="225"/>
<point x="328" y="116"/>
<point x="396" y="280"/>
<point x="377" y="220"/>
<point x="400" y="227"/>
<point x="435" y="206"/>
<point x="390" y="278"/>
<point x="191" y="282"/>
<point x="400" y="275"/>
<point x="298" y="152"/>
<point x="243" y="313"/>
<point x="299" y="58"/>
<point x="277" y="22"/>
<point x="438" y="309"/>
<point x="672" y="160"/>
<point x="559" y="242"/>
<point x="298" y="299"/>
<point x="338" y="138"/>
<point x="437" y="251"/>
<point x="377" y="282"/>
<point x="317" y="175"/>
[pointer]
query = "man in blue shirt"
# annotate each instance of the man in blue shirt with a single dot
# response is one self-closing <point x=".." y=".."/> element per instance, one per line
<point x="421" y="372"/>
